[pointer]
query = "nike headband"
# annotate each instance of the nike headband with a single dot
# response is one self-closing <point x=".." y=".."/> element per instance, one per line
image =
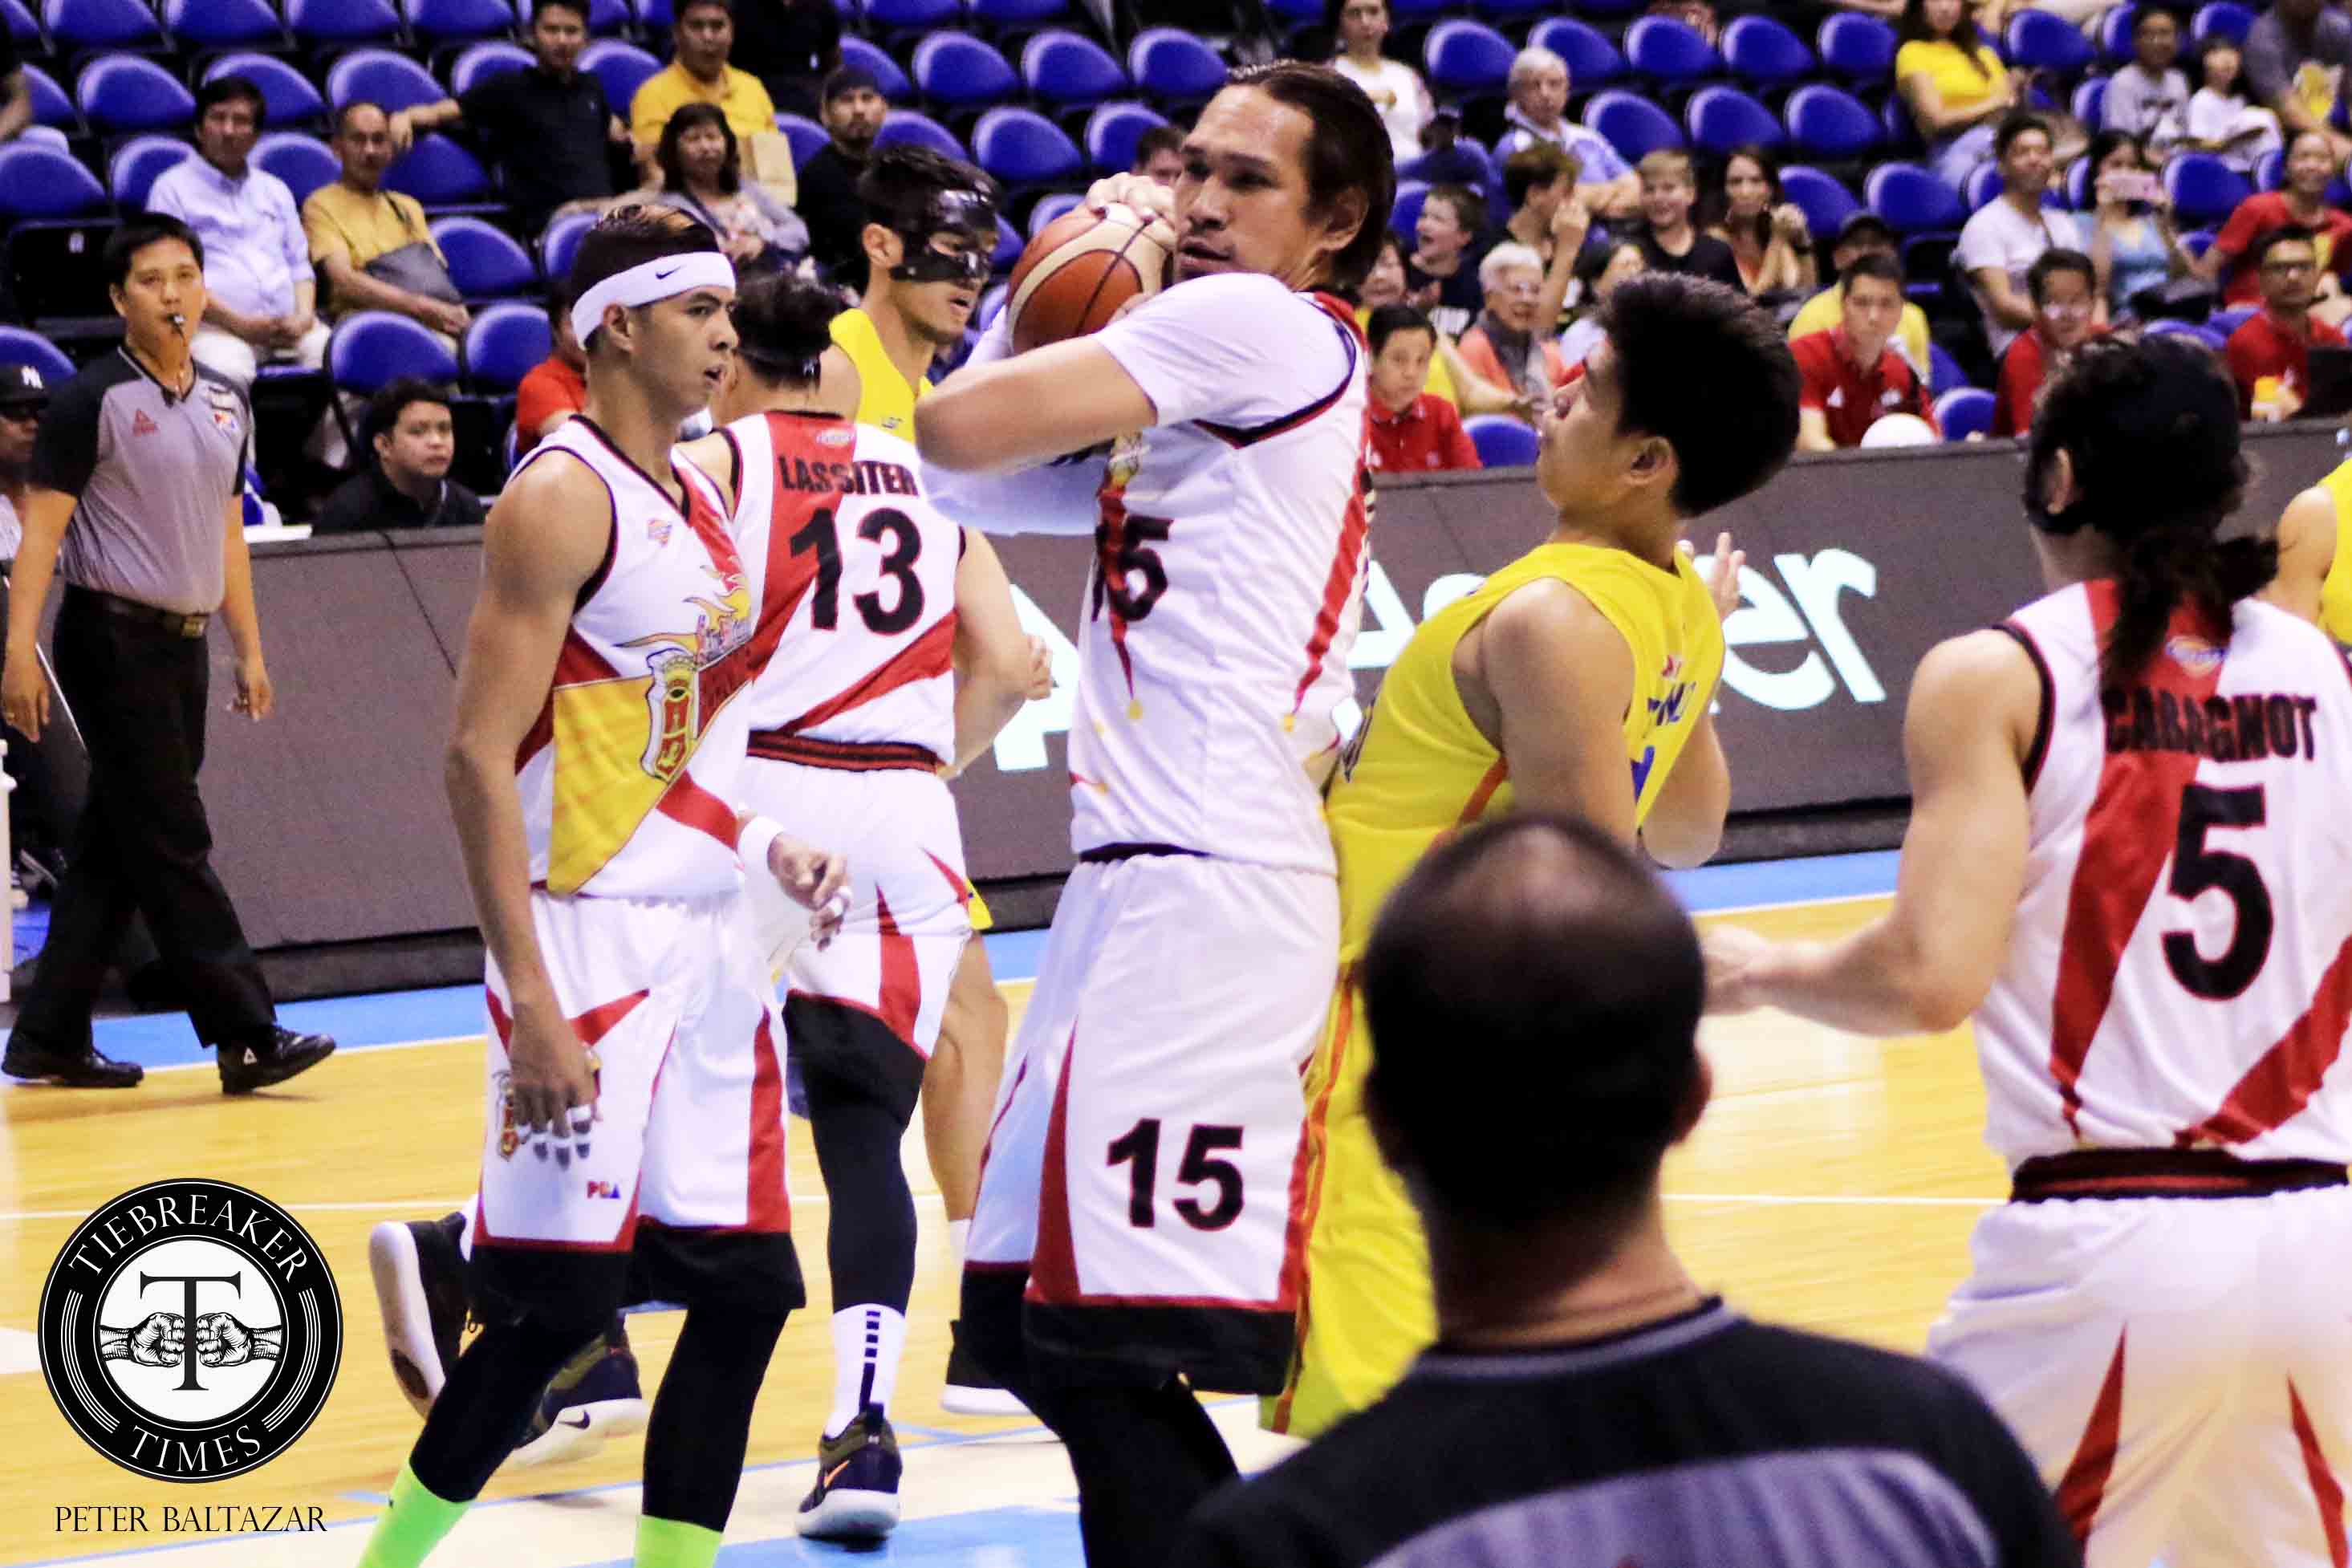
<point x="648" y="283"/>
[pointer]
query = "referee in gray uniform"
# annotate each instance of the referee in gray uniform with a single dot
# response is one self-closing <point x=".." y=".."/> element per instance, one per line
<point x="134" y="502"/>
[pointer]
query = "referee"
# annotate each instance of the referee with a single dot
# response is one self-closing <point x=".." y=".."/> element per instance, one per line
<point x="135" y="503"/>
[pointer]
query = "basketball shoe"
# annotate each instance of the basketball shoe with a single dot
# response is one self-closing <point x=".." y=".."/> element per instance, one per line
<point x="420" y="1294"/>
<point x="857" y="1493"/>
<point x="594" y="1398"/>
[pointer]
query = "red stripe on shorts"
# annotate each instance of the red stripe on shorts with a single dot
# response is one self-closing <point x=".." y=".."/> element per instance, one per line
<point x="768" y="1203"/>
<point x="2323" y="1485"/>
<point x="902" y="977"/>
<point x="2084" y="1485"/>
<point x="1053" y="1266"/>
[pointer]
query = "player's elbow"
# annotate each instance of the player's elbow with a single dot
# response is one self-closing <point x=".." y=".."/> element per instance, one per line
<point x="1681" y="845"/>
<point x="1937" y="1006"/>
<point x="951" y="431"/>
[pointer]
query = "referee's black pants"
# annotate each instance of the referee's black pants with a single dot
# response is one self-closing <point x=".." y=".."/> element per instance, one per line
<point x="139" y="692"/>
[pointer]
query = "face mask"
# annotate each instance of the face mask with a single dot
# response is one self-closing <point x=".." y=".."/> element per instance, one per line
<point x="968" y="213"/>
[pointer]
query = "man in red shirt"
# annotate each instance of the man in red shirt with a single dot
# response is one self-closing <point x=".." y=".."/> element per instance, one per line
<point x="2270" y="356"/>
<point x="555" y="388"/>
<point x="1852" y="375"/>
<point x="2064" y="288"/>
<point x="2301" y="202"/>
<point x="1413" y="432"/>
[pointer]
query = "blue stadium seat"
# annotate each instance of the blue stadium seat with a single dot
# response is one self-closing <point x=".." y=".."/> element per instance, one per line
<point x="119" y="93"/>
<point x="1112" y="132"/>
<point x="137" y="164"/>
<point x="1502" y="441"/>
<point x="2203" y="335"/>
<point x="2270" y="170"/>
<point x="2115" y="33"/>
<point x="1051" y="207"/>
<point x="1719" y="119"/>
<point x="24" y="29"/>
<point x="1466" y="60"/>
<point x="1913" y="201"/>
<point x="653" y="15"/>
<point x="484" y="260"/>
<point x="1005" y="17"/>
<point x="21" y="345"/>
<point x="2043" y="40"/>
<point x="984" y="316"/>
<point x="318" y="22"/>
<point x="1009" y="245"/>
<point x="1419" y="13"/>
<point x="290" y="97"/>
<point x="1763" y="53"/>
<point x="1902" y="131"/>
<point x="38" y="181"/>
<point x="1022" y="148"/>
<point x="2204" y="190"/>
<point x="504" y="342"/>
<point x="560" y="242"/>
<point x="1858" y="49"/>
<point x="304" y="163"/>
<point x="50" y="104"/>
<point x="481" y="63"/>
<point x="2078" y="185"/>
<point x="605" y="17"/>
<point x="1631" y="124"/>
<point x="1066" y="71"/>
<point x="1405" y="212"/>
<point x="1944" y="372"/>
<point x="1963" y="411"/>
<point x="77" y="24"/>
<point x="456" y="21"/>
<point x="957" y="72"/>
<point x="2230" y="20"/>
<point x="439" y="172"/>
<point x="1512" y="12"/>
<point x="806" y="136"/>
<point x="621" y="68"/>
<point x="1984" y="185"/>
<point x="223" y="23"/>
<point x="1669" y="53"/>
<point x="1593" y="60"/>
<point x="2090" y="104"/>
<point x="874" y="57"/>
<point x="906" y="125"/>
<point x="385" y="76"/>
<point x="1826" y="201"/>
<point x="1175" y="67"/>
<point x="892" y="18"/>
<point x="2228" y="321"/>
<point x="372" y="349"/>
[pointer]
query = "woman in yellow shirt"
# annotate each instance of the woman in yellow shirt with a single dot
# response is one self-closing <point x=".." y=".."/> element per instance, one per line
<point x="1955" y="86"/>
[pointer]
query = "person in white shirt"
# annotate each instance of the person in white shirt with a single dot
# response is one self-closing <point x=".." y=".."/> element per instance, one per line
<point x="2219" y="120"/>
<point x="1539" y="84"/>
<point x="2001" y="242"/>
<point x="1395" y="89"/>
<point x="2149" y="97"/>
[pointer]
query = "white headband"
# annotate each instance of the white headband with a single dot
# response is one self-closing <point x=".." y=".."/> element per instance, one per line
<point x="663" y="278"/>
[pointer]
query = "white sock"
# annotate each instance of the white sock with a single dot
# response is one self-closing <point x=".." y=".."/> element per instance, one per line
<point x="867" y="1341"/>
<point x="958" y="1239"/>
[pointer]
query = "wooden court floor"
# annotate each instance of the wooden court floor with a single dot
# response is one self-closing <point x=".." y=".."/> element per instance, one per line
<point x="1832" y="1185"/>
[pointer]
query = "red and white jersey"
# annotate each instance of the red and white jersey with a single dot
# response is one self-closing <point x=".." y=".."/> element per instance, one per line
<point x="628" y="776"/>
<point x="1227" y="586"/>
<point x="2180" y="971"/>
<point x="855" y="573"/>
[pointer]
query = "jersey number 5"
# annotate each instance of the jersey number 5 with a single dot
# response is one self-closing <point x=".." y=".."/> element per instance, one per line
<point x="2198" y="869"/>
<point x="897" y="564"/>
<point x="1139" y="1146"/>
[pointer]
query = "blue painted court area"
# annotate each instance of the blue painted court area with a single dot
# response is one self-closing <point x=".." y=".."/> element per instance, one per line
<point x="1032" y="1537"/>
<point x="404" y="1017"/>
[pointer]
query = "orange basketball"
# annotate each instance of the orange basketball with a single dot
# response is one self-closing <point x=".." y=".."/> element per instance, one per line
<point x="1081" y="268"/>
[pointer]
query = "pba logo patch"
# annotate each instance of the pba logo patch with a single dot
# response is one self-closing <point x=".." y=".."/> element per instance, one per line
<point x="190" y="1330"/>
<point x="835" y="437"/>
<point x="2194" y="655"/>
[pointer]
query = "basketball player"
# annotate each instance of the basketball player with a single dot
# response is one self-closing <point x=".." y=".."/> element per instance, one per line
<point x="1131" y="1240"/>
<point x="1578" y="679"/>
<point x="2128" y="857"/>
<point x="897" y="657"/>
<point x="2314" y="575"/>
<point x="636" y="1139"/>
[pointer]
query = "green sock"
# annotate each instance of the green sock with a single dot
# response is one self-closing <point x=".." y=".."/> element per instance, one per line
<point x="407" y="1534"/>
<point x="674" y="1543"/>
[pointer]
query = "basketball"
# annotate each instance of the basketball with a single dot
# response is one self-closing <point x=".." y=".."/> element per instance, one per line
<point x="1081" y="268"/>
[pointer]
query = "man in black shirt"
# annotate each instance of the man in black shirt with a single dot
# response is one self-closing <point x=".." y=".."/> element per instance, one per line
<point x="854" y="112"/>
<point x="548" y="128"/>
<point x="408" y="485"/>
<point x="1535" y="992"/>
<point x="790" y="45"/>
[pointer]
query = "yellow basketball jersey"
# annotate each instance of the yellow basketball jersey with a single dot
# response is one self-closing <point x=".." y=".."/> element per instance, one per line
<point x="885" y="402"/>
<point x="1422" y="769"/>
<point x="2335" y="590"/>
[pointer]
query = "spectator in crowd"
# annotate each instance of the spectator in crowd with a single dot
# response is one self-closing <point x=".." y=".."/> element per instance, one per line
<point x="2301" y="202"/>
<point x="370" y="245"/>
<point x="1583" y="1387"/>
<point x="34" y="832"/>
<point x="549" y="129"/>
<point x="702" y="174"/>
<point x="1549" y="218"/>
<point x="1160" y="155"/>
<point x="15" y="92"/>
<point x="24" y="399"/>
<point x="1853" y="377"/>
<point x="263" y="297"/>
<point x="1442" y="274"/>
<point x="2296" y="54"/>
<point x="1448" y="157"/>
<point x="1599" y="270"/>
<point x="555" y="388"/>
<point x="409" y="430"/>
<point x="1769" y="238"/>
<point x="1863" y="233"/>
<point x="1412" y="430"/>
<point x="1512" y="346"/>
<point x="1954" y="84"/>
<point x="1449" y="376"/>
<point x="2270" y="355"/>
<point x="1668" y="237"/>
<point x="2149" y="97"/>
<point x="2063" y="286"/>
<point x="2220" y="121"/>
<point x="2003" y="237"/>
<point x="1395" y="89"/>
<point x="1538" y="112"/>
<point x="2128" y="232"/>
<point x="702" y="35"/>
<point x="791" y="45"/>
<point x="854" y="112"/>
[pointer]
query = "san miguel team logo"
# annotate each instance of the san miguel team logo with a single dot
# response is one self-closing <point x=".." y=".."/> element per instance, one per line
<point x="190" y="1331"/>
<point x="676" y="698"/>
<point x="673" y="698"/>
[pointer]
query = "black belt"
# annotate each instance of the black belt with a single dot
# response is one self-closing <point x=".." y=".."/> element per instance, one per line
<point x="2164" y="1174"/>
<point x="1102" y="853"/>
<point x="850" y="756"/>
<point x="179" y="622"/>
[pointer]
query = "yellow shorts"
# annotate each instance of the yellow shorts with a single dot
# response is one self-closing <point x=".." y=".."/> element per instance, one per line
<point x="1364" y="1310"/>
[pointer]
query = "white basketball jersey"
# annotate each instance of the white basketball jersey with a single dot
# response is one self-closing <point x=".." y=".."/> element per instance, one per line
<point x="1227" y="585"/>
<point x="855" y="575"/>
<point x="2180" y="971"/>
<point x="628" y="776"/>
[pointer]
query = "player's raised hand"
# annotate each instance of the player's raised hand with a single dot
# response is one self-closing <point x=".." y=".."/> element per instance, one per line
<point x="1722" y="573"/>
<point x="1732" y="955"/>
<point x="816" y="879"/>
<point x="1041" y="671"/>
<point x="551" y="1082"/>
